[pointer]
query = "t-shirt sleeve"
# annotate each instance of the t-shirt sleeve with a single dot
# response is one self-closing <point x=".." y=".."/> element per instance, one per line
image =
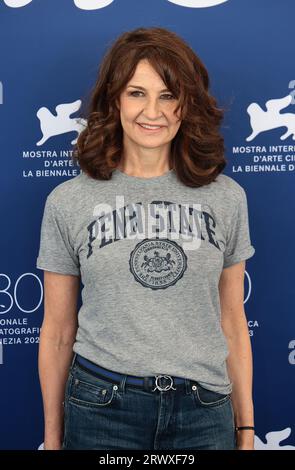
<point x="238" y="246"/>
<point x="56" y="252"/>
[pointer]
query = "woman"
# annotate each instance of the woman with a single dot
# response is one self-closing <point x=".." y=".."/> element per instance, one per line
<point x="159" y="356"/>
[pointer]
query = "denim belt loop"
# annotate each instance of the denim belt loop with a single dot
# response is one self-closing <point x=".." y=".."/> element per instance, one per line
<point x="188" y="386"/>
<point x="146" y="384"/>
<point x="122" y="383"/>
<point x="73" y="361"/>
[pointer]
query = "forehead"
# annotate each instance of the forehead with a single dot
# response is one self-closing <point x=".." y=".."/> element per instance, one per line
<point x="144" y="74"/>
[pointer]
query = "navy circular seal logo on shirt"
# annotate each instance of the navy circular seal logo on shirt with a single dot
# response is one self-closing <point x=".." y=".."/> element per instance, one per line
<point x="157" y="263"/>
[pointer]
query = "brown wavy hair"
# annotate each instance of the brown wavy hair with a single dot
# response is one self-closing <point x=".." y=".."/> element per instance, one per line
<point x="197" y="150"/>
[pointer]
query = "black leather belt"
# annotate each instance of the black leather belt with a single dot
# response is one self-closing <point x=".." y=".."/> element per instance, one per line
<point x="162" y="383"/>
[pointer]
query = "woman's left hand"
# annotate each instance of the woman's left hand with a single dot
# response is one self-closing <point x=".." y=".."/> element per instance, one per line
<point x="245" y="440"/>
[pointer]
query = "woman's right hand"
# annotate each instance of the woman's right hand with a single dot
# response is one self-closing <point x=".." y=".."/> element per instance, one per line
<point x="52" y="445"/>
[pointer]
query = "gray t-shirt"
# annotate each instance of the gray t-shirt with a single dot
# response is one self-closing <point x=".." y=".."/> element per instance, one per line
<point x="150" y="252"/>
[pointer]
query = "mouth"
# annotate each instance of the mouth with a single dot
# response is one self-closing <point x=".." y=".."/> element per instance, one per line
<point x="150" y="128"/>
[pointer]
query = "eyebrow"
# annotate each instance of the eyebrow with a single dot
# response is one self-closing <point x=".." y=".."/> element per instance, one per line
<point x="142" y="88"/>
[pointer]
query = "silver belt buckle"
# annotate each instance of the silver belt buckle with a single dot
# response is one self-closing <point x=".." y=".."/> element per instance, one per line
<point x="167" y="387"/>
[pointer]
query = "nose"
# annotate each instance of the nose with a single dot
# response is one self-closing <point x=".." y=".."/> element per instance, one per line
<point x="152" y="109"/>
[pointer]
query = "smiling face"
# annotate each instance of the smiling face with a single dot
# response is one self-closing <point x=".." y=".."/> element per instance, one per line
<point x="146" y="100"/>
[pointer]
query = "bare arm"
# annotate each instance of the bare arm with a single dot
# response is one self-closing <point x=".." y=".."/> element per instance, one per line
<point x="57" y="336"/>
<point x="239" y="361"/>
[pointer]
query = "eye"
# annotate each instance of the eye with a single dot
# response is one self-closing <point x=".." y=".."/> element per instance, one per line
<point x="166" y="96"/>
<point x="169" y="96"/>
<point x="133" y="93"/>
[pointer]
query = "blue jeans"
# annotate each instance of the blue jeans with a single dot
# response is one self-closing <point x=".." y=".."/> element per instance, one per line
<point x="102" y="415"/>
